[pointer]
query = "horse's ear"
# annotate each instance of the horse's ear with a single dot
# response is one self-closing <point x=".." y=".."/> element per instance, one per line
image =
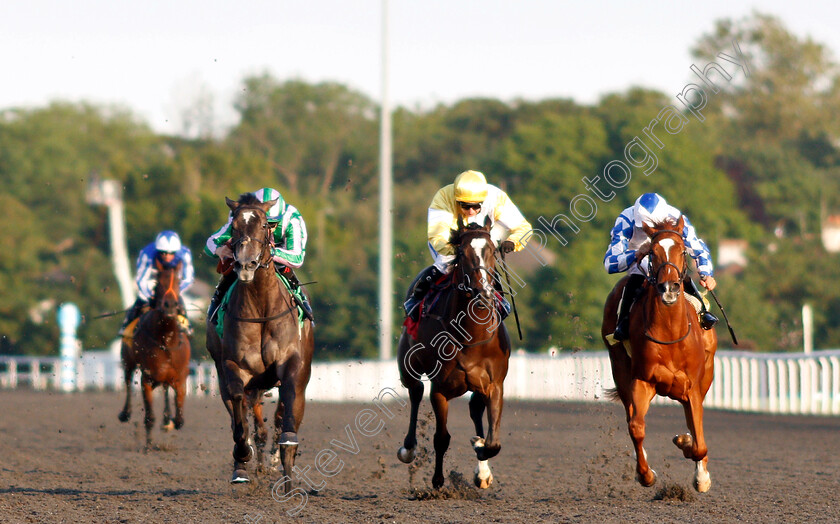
<point x="487" y="223"/>
<point x="266" y="206"/>
<point x="681" y="224"/>
<point x="158" y="265"/>
<point x="232" y="204"/>
<point x="649" y="231"/>
<point x="460" y="224"/>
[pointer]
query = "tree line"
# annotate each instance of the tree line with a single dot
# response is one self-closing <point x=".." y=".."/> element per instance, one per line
<point x="761" y="166"/>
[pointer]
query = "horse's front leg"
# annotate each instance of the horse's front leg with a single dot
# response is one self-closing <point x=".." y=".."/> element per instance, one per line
<point x="180" y="395"/>
<point x="693" y="443"/>
<point x="149" y="418"/>
<point x="407" y="453"/>
<point x="125" y="414"/>
<point x="441" y="408"/>
<point x="166" y="424"/>
<point x="641" y="395"/>
<point x="242" y="451"/>
<point x="487" y="448"/>
<point x="293" y="399"/>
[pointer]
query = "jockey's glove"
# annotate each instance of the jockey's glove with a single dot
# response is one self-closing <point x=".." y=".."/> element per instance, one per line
<point x="507" y="246"/>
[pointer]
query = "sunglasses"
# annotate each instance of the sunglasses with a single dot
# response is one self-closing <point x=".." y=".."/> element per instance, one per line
<point x="468" y="205"/>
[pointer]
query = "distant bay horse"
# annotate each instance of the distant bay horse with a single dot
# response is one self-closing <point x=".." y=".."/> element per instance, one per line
<point x="161" y="349"/>
<point x="669" y="353"/>
<point x="263" y="343"/>
<point x="461" y="345"/>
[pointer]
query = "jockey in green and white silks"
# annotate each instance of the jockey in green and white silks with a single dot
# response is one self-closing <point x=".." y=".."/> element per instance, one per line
<point x="289" y="249"/>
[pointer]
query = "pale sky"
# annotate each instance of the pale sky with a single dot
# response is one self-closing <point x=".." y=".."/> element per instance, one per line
<point x="155" y="57"/>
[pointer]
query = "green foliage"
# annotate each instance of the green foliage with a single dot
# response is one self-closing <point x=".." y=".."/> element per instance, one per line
<point x="763" y="163"/>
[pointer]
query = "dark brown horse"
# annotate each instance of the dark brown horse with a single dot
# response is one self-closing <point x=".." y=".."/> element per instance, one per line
<point x="161" y="349"/>
<point x="263" y="344"/>
<point x="669" y="353"/>
<point x="461" y="346"/>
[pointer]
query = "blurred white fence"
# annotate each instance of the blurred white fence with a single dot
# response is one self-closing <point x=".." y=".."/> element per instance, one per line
<point x="758" y="382"/>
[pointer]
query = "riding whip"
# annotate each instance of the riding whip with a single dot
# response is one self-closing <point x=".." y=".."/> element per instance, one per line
<point x="731" y="331"/>
<point x="111" y="314"/>
<point x="512" y="298"/>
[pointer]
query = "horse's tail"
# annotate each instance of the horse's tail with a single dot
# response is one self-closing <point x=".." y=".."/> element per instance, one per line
<point x="613" y="394"/>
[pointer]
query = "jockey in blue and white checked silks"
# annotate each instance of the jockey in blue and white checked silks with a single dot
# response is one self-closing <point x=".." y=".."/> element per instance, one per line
<point x="628" y="237"/>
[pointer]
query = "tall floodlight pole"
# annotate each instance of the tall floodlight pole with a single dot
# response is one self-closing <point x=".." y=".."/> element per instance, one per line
<point x="108" y="193"/>
<point x="386" y="280"/>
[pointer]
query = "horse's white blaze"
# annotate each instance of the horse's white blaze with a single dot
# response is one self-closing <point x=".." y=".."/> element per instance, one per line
<point x="247" y="216"/>
<point x="478" y="245"/>
<point x="702" y="479"/>
<point x="667" y="244"/>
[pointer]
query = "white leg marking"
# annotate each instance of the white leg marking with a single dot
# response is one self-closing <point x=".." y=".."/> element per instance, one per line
<point x="483" y="475"/>
<point x="702" y="479"/>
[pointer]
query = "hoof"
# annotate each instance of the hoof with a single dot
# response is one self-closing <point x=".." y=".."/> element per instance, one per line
<point x="406" y="456"/>
<point x="437" y="481"/>
<point x="179" y="423"/>
<point x="124" y="416"/>
<point x="240" y="476"/>
<point x="483" y="483"/>
<point x="648" y="480"/>
<point x="169" y="426"/>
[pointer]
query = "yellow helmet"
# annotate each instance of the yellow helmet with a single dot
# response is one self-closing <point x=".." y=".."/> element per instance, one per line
<point x="470" y="186"/>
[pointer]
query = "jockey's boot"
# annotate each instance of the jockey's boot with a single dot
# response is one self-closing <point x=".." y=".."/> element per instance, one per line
<point x="222" y="287"/>
<point x="628" y="296"/>
<point x="289" y="273"/>
<point x="707" y="320"/>
<point x="421" y="284"/>
<point x="132" y="313"/>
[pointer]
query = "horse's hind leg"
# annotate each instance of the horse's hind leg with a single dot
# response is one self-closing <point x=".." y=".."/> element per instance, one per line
<point x="641" y="396"/>
<point x="260" y="432"/>
<point x="125" y="414"/>
<point x="693" y="443"/>
<point x="440" y="405"/>
<point x="406" y="453"/>
<point x="483" y="476"/>
<point x="166" y="424"/>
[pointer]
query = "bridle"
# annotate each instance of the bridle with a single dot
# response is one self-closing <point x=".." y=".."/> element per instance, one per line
<point x="653" y="276"/>
<point x="265" y="252"/>
<point x="265" y="244"/>
<point x="465" y="284"/>
<point x="653" y="280"/>
<point x="170" y="289"/>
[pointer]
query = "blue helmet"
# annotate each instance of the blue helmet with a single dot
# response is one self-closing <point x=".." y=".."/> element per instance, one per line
<point x="168" y="242"/>
<point x="275" y="214"/>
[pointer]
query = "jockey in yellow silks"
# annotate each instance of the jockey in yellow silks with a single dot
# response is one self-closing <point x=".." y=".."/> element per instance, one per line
<point x="472" y="199"/>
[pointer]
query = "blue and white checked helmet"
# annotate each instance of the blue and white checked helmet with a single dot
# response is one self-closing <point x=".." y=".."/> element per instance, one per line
<point x="275" y="214"/>
<point x="650" y="208"/>
<point x="168" y="242"/>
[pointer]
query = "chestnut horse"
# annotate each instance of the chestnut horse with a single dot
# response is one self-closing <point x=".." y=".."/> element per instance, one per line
<point x="461" y="346"/>
<point x="263" y="344"/>
<point x="669" y="353"/>
<point x="161" y="349"/>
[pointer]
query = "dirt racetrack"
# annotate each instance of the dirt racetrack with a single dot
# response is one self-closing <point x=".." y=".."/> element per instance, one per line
<point x="66" y="458"/>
